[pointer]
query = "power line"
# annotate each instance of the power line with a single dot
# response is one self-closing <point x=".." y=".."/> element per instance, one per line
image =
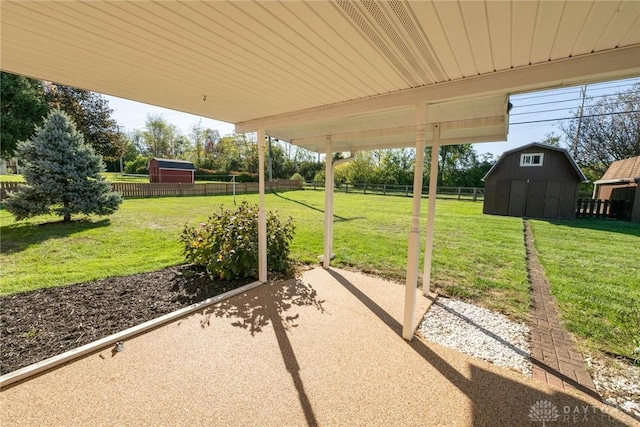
<point x="570" y="118"/>
<point x="596" y="86"/>
<point x="561" y="101"/>
<point x="610" y="104"/>
<point x="544" y="111"/>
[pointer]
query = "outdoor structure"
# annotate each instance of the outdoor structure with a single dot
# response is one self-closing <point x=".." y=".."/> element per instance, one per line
<point x="620" y="182"/>
<point x="330" y="76"/>
<point x="171" y="171"/>
<point x="9" y="166"/>
<point x="536" y="181"/>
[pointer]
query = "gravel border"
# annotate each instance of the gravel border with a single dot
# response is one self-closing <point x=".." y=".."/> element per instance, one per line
<point x="478" y="332"/>
<point x="617" y="382"/>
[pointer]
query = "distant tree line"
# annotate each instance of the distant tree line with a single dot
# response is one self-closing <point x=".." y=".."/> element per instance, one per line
<point x="458" y="166"/>
<point x="25" y="102"/>
<point x="601" y="132"/>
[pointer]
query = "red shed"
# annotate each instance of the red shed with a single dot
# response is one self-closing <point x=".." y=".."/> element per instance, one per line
<point x="171" y="171"/>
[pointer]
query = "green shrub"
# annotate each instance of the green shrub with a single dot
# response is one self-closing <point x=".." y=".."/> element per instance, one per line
<point x="246" y="177"/>
<point x="319" y="176"/>
<point x="202" y="174"/>
<point x="138" y="165"/>
<point x="297" y="177"/>
<point x="227" y="244"/>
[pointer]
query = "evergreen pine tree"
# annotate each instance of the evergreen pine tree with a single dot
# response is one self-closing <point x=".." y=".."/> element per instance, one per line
<point x="62" y="174"/>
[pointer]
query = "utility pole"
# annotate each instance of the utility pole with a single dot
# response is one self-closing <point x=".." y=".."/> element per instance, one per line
<point x="119" y="136"/>
<point x="583" y="94"/>
<point x="270" y="161"/>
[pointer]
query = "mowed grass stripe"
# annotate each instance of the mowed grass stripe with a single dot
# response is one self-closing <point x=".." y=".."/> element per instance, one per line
<point x="594" y="270"/>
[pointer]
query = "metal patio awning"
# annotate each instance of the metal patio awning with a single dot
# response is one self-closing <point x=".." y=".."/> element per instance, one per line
<point x="284" y="65"/>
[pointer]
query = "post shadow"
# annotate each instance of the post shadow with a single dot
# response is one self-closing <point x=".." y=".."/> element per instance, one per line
<point x="291" y="362"/>
<point x="337" y="217"/>
<point x="490" y="394"/>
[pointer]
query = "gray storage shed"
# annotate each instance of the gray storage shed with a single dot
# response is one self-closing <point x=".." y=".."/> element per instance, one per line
<point x="536" y="180"/>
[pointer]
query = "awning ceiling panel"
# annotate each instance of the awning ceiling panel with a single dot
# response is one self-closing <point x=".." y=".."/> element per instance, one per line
<point x="296" y="68"/>
<point x="470" y="120"/>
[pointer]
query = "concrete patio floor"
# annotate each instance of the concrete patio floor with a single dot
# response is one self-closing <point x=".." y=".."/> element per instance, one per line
<point x="321" y="350"/>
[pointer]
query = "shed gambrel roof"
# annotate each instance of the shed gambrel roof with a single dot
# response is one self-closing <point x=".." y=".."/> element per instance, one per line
<point x="627" y="170"/>
<point x="544" y="147"/>
<point x="175" y="164"/>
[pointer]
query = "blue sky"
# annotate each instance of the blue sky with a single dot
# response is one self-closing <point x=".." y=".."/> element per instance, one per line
<point x="541" y="108"/>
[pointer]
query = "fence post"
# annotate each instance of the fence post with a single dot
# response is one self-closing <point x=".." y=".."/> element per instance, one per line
<point x="384" y="189"/>
<point x="578" y="209"/>
<point x="475" y="194"/>
<point x="610" y="208"/>
<point x="459" y="192"/>
<point x="365" y="188"/>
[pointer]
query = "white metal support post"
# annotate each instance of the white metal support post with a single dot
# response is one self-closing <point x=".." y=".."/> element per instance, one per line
<point x="262" y="213"/>
<point x="414" y="234"/>
<point x="328" y="204"/>
<point x="431" y="210"/>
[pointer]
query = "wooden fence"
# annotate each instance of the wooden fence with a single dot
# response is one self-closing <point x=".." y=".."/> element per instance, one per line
<point x="596" y="208"/>
<point x="8" y="186"/>
<point x="460" y="193"/>
<point x="132" y="190"/>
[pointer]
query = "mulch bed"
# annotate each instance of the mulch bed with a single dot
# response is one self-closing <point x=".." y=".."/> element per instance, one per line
<point x="43" y="323"/>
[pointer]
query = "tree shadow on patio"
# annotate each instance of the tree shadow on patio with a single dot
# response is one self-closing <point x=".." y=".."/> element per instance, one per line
<point x="255" y="310"/>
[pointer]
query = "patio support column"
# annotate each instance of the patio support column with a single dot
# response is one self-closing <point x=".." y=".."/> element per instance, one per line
<point x="414" y="234"/>
<point x="328" y="204"/>
<point x="431" y="210"/>
<point x="262" y="213"/>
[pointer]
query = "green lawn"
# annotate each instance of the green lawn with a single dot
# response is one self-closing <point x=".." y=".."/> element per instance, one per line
<point x="117" y="177"/>
<point x="476" y="256"/>
<point x="11" y="178"/>
<point x="592" y="264"/>
<point x="594" y="270"/>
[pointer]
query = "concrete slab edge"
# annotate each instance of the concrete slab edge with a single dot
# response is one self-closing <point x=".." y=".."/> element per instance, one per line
<point x="52" y="362"/>
<point x="432" y="297"/>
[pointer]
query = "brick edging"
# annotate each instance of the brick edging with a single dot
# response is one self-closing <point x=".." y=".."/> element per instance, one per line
<point x="554" y="355"/>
